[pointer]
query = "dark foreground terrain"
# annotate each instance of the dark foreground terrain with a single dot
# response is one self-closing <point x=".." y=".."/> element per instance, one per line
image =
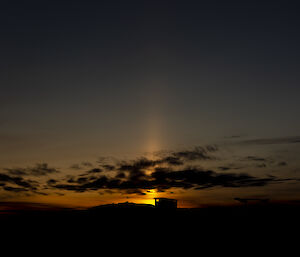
<point x="127" y="227"/>
<point x="149" y="219"/>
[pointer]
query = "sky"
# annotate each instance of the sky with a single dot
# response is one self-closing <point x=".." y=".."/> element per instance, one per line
<point x="113" y="101"/>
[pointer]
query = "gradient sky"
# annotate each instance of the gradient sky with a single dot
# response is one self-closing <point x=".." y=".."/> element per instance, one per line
<point x="82" y="80"/>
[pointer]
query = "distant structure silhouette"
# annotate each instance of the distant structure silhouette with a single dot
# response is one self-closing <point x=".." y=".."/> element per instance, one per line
<point x="165" y="203"/>
<point x="246" y="200"/>
<point x="123" y="206"/>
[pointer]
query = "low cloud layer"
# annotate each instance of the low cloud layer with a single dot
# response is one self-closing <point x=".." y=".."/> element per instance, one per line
<point x="163" y="179"/>
<point x="169" y="170"/>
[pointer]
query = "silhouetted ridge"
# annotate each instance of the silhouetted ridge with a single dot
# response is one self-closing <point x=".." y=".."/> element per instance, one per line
<point x="125" y="205"/>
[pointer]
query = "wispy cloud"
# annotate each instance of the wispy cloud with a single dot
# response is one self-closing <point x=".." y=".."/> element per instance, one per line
<point x="40" y="169"/>
<point x="267" y="141"/>
<point x="21" y="183"/>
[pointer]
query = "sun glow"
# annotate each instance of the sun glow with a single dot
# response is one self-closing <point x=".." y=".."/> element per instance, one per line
<point x="151" y="192"/>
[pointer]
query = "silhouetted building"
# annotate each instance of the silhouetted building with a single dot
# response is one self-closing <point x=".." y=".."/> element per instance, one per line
<point x="165" y="203"/>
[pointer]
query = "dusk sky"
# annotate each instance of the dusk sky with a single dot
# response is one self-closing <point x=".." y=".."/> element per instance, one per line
<point x="114" y="101"/>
